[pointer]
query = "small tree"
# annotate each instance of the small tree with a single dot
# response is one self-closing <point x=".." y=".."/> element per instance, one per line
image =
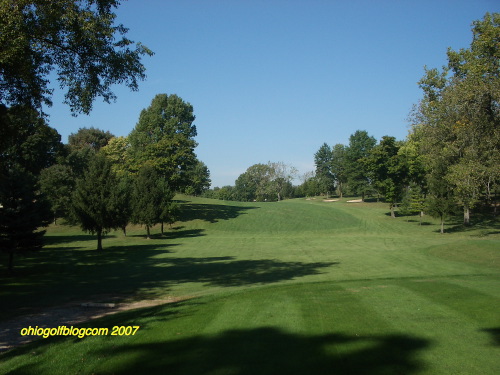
<point x="57" y="183"/>
<point x="98" y="199"/>
<point x="147" y="196"/>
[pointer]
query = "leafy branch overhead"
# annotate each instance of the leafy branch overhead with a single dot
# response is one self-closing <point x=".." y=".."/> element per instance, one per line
<point x="78" y="40"/>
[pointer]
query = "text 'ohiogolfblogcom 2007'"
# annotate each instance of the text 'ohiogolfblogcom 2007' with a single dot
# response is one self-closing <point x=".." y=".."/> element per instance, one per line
<point x="79" y="332"/>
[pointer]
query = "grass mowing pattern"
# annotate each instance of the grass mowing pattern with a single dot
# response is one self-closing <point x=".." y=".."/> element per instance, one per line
<point x="296" y="287"/>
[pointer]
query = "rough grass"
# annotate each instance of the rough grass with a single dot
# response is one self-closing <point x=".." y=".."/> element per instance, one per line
<point x="295" y="287"/>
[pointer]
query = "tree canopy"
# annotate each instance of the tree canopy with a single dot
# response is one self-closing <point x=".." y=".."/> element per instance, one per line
<point x="78" y="40"/>
<point x="164" y="139"/>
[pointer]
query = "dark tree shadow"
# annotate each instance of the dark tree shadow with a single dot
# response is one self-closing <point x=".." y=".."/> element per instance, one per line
<point x="211" y="212"/>
<point x="495" y="335"/>
<point x="488" y="224"/>
<point x="173" y="234"/>
<point x="269" y="350"/>
<point x="53" y="240"/>
<point x="129" y="271"/>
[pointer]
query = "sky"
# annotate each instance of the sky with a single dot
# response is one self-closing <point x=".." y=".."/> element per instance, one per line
<point x="272" y="80"/>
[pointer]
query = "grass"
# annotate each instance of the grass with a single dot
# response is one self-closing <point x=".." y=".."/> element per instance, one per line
<point x="295" y="287"/>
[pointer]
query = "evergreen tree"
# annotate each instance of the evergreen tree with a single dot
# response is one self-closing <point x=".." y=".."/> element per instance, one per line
<point x="57" y="183"/>
<point x="323" y="161"/>
<point x="97" y="201"/>
<point x="148" y="198"/>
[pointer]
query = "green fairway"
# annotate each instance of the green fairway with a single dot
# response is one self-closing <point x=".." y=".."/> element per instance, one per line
<point x="295" y="287"/>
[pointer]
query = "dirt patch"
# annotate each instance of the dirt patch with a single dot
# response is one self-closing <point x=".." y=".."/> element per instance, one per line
<point x="70" y="314"/>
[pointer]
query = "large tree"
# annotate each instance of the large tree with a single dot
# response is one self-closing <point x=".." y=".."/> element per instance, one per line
<point x="164" y="139"/>
<point x="98" y="199"/>
<point x="457" y="122"/>
<point x="77" y="40"/>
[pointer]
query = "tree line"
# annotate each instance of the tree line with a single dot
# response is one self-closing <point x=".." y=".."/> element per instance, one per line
<point x="450" y="159"/>
<point x="97" y="180"/>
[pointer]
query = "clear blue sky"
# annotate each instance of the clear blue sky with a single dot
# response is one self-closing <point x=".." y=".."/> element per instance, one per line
<point x="272" y="80"/>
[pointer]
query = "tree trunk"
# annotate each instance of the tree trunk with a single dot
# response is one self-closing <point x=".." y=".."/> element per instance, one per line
<point x="124" y="228"/>
<point x="148" y="236"/>
<point x="162" y="228"/>
<point x="466" y="215"/>
<point x="393" y="214"/>
<point x="340" y="190"/>
<point x="99" y="239"/>
<point x="442" y="224"/>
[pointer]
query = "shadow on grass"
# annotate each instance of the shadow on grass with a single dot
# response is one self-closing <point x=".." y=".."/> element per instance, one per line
<point x="495" y="335"/>
<point x="263" y="351"/>
<point x="211" y="212"/>
<point x="134" y="271"/>
<point x="486" y="223"/>
<point x="172" y="234"/>
<point x="269" y="350"/>
<point x="53" y="240"/>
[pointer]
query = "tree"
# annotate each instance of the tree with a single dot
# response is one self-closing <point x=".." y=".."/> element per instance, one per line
<point x="97" y="201"/>
<point x="198" y="177"/>
<point x="23" y="210"/>
<point x="339" y="167"/>
<point x="148" y="198"/>
<point x="117" y="151"/>
<point x="83" y="145"/>
<point x="457" y="121"/>
<point x="92" y="138"/>
<point x="360" y="145"/>
<point x="26" y="140"/>
<point x="323" y="161"/>
<point x="76" y="39"/>
<point x="387" y="170"/>
<point x="57" y="183"/>
<point x="164" y="138"/>
<point x="440" y="202"/>
<point x="281" y="176"/>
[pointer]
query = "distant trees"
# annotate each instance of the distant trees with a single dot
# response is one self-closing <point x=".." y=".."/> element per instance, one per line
<point x="324" y="175"/>
<point x="339" y="167"/>
<point x="264" y="182"/>
<point x="360" y="146"/>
